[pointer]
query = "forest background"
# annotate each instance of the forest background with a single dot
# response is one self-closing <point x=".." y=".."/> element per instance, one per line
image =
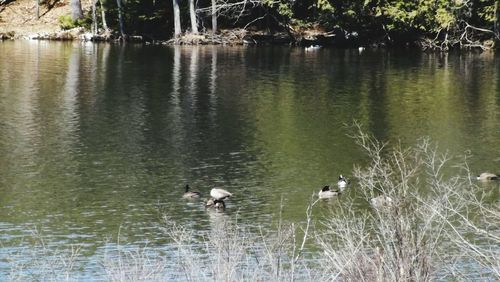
<point x="431" y="24"/>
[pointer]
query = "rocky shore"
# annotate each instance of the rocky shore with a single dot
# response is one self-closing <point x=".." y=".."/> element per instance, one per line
<point x="224" y="37"/>
<point x="71" y="34"/>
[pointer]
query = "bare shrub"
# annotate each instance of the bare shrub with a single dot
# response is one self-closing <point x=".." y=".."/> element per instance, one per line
<point x="41" y="262"/>
<point x="427" y="227"/>
<point x="133" y="263"/>
<point x="231" y="252"/>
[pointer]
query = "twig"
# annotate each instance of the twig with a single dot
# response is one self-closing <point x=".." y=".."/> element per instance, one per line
<point x="308" y="225"/>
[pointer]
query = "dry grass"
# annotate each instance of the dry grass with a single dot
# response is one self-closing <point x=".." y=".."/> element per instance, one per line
<point x="231" y="252"/>
<point x="134" y="264"/>
<point x="20" y="16"/>
<point x="42" y="262"/>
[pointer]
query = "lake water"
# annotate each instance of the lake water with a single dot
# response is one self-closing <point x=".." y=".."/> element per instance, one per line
<point x="97" y="141"/>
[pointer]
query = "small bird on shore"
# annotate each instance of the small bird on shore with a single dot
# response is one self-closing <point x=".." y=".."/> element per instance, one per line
<point x="487" y="176"/>
<point x="190" y="194"/>
<point x="220" y="194"/>
<point x="342" y="183"/>
<point x="326" y="192"/>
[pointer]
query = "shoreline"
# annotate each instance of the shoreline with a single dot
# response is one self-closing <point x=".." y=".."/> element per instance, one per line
<point x="309" y="39"/>
<point x="366" y="26"/>
<point x="224" y="37"/>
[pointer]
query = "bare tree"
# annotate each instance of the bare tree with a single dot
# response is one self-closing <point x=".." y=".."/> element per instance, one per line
<point x="192" y="14"/>
<point x="177" y="18"/>
<point x="94" y="16"/>
<point x="497" y="17"/>
<point x="214" y="17"/>
<point x="233" y="10"/>
<point x="76" y="10"/>
<point x="120" y="16"/>
<point x="37" y="8"/>
<point x="103" y="16"/>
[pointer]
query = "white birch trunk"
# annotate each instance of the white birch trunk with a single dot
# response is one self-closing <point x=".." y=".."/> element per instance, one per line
<point x="214" y="17"/>
<point x="192" y="14"/>
<point x="177" y="19"/>
<point x="103" y="17"/>
<point x="76" y="10"/>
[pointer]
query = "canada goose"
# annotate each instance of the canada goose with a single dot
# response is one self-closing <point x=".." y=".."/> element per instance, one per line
<point x="326" y="193"/>
<point x="487" y="176"/>
<point x="381" y="201"/>
<point x="220" y="194"/>
<point x="190" y="194"/>
<point x="213" y="203"/>
<point x="342" y="183"/>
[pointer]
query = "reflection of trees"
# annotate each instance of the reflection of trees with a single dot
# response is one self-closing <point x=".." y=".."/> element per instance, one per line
<point x="194" y="70"/>
<point x="44" y="117"/>
<point x="213" y="73"/>
<point x="204" y="114"/>
<point x="174" y="111"/>
<point x="57" y="161"/>
<point x="17" y="108"/>
<point x="430" y="101"/>
<point x="296" y="129"/>
<point x="112" y="129"/>
<point x="69" y="112"/>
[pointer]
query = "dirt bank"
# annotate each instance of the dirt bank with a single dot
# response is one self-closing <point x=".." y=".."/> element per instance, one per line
<point x="18" y="18"/>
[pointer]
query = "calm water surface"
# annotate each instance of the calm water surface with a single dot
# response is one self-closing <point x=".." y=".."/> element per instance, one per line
<point x="97" y="141"/>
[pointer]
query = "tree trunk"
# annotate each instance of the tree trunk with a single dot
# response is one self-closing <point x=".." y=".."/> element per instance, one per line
<point x="76" y="10"/>
<point x="214" y="17"/>
<point x="496" y="26"/>
<point x="37" y="9"/>
<point x="120" y="18"/>
<point x="192" y="14"/>
<point x="177" y="19"/>
<point x="103" y="17"/>
<point x="94" y="17"/>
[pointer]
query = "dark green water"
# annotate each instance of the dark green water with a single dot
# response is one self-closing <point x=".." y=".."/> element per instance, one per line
<point x="99" y="140"/>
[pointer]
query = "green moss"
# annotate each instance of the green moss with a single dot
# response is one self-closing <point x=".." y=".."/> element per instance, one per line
<point x="66" y="22"/>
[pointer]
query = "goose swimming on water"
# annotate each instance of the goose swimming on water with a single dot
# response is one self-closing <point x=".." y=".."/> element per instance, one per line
<point x="487" y="176"/>
<point x="213" y="203"/>
<point x="190" y="194"/>
<point x="342" y="183"/>
<point x="220" y="194"/>
<point x="326" y="192"/>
